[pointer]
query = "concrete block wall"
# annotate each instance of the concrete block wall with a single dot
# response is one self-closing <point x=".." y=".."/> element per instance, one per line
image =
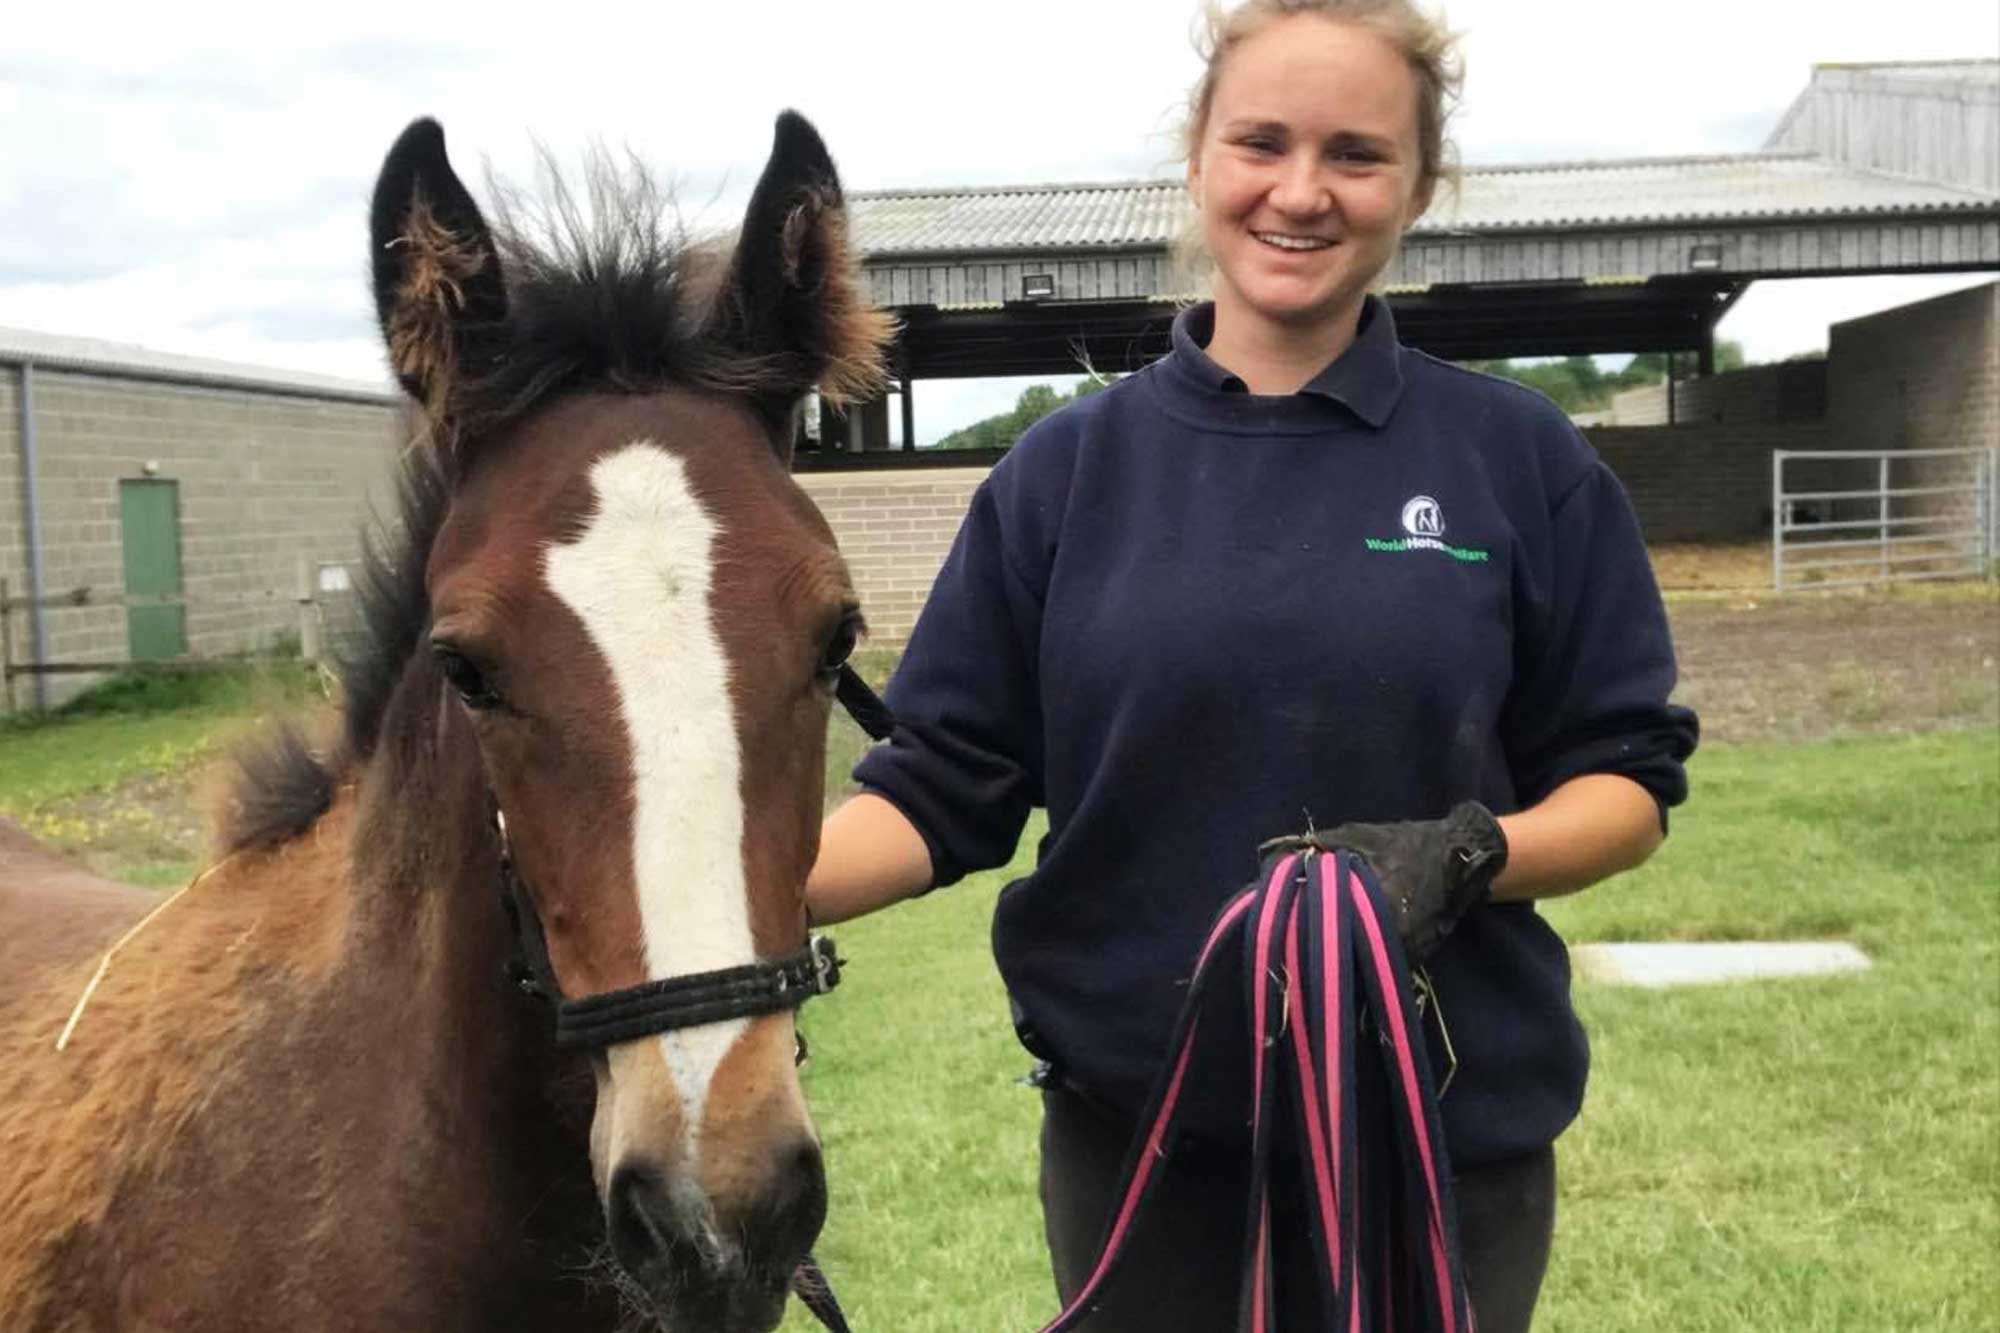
<point x="1922" y="376"/>
<point x="1702" y="482"/>
<point x="895" y="529"/>
<point x="264" y="481"/>
<point x="1785" y="391"/>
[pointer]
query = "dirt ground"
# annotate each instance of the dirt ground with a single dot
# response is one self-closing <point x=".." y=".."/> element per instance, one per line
<point x="1826" y="664"/>
<point x="1736" y="567"/>
<point x="1753" y="666"/>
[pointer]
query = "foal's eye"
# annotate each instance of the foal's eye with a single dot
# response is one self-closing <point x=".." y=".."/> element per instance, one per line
<point x="839" y="646"/>
<point x="466" y="678"/>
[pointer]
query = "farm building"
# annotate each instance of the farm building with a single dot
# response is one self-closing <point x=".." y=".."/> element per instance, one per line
<point x="1880" y="169"/>
<point x="201" y="492"/>
<point x="198" y="501"/>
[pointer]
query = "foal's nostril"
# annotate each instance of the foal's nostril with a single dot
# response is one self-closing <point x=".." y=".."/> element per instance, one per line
<point x="646" y="1228"/>
<point x="795" y="1208"/>
<point x="673" y="1237"/>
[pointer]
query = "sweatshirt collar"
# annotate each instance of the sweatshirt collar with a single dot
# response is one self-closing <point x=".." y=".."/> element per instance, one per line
<point x="1366" y="379"/>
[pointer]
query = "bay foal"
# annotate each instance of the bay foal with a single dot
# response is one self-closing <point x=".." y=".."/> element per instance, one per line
<point x="307" y="1095"/>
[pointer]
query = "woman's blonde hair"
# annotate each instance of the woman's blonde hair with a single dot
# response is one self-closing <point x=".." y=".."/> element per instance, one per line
<point x="1422" y="39"/>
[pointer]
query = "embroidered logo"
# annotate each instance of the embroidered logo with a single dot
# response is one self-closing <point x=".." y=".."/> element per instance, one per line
<point x="1422" y="517"/>
<point x="1423" y="520"/>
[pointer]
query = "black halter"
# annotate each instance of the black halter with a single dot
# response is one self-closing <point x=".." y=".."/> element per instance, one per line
<point x="697" y="997"/>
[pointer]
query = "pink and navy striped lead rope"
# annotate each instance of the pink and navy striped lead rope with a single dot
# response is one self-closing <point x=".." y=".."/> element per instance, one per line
<point x="1337" y="1059"/>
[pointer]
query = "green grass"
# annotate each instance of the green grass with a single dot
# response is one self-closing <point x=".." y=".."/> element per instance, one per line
<point x="1804" y="1155"/>
<point x="132" y="726"/>
<point x="1786" y="1155"/>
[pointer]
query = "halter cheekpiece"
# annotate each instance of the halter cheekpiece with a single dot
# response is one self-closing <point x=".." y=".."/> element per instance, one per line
<point x="691" y="999"/>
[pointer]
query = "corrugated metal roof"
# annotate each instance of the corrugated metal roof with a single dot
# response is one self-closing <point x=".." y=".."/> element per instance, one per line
<point x="1098" y="216"/>
<point x="1637" y="191"/>
<point x="56" y="351"/>
<point x="1683" y="189"/>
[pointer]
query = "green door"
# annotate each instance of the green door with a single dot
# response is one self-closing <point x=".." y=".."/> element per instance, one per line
<point x="149" y="514"/>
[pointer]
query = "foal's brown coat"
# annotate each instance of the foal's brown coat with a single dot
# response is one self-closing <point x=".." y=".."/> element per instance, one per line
<point x="307" y="1095"/>
<point x="199" y="1074"/>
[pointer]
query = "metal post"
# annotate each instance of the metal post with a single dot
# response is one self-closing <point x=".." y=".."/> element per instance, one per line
<point x="7" y="643"/>
<point x="1991" y="517"/>
<point x="909" y="413"/>
<point x="1777" y="520"/>
<point x="31" y="501"/>
<point x="1882" y="512"/>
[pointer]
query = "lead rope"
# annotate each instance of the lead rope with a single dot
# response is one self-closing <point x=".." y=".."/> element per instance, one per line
<point x="809" y="1284"/>
<point x="1338" y="1059"/>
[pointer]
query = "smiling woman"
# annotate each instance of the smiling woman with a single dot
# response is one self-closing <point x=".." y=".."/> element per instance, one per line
<point x="1292" y="577"/>
<point x="1314" y="139"/>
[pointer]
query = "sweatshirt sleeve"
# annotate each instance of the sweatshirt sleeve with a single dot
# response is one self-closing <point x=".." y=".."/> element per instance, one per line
<point x="964" y="762"/>
<point x="1594" y="661"/>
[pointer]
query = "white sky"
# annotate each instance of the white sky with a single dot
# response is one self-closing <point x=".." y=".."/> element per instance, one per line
<point x="195" y="177"/>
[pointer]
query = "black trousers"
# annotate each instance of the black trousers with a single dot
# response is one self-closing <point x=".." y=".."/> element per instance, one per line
<point x="1183" y="1267"/>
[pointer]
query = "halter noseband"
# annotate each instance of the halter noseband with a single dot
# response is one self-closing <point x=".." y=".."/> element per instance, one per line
<point x="694" y="998"/>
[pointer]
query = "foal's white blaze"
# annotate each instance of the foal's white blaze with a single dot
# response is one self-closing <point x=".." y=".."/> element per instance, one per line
<point x="638" y="578"/>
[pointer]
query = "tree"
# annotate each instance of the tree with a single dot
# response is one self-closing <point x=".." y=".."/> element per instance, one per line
<point x="1577" y="384"/>
<point x="1000" y="432"/>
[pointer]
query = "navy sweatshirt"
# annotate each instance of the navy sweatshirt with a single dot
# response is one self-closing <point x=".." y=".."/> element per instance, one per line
<point x="1186" y="619"/>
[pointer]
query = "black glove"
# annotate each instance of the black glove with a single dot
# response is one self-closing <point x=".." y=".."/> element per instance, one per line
<point x="1432" y="871"/>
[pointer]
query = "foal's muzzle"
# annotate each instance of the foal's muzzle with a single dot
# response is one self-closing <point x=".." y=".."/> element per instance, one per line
<point x="727" y="1273"/>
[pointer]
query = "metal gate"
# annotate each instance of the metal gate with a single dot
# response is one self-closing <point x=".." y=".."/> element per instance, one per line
<point x="1844" y="518"/>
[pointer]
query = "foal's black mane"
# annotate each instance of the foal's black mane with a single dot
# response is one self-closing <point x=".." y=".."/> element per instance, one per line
<point x="608" y="298"/>
<point x="607" y="294"/>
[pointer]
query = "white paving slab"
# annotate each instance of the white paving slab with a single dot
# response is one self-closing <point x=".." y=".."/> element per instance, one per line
<point x="1659" y="965"/>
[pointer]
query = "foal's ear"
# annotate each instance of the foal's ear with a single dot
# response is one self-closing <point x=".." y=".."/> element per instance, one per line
<point x="438" y="291"/>
<point x="793" y="301"/>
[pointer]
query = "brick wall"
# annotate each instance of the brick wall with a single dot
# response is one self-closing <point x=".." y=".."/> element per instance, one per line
<point x="894" y="529"/>
<point x="264" y="481"/>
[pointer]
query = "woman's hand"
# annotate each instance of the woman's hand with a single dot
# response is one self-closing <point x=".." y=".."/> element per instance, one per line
<point x="1432" y="871"/>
